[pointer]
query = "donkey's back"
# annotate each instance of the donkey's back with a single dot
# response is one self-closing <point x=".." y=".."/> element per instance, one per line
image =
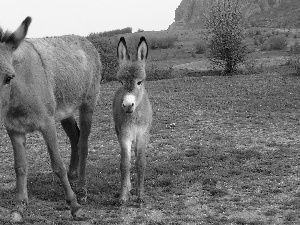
<point x="61" y="73"/>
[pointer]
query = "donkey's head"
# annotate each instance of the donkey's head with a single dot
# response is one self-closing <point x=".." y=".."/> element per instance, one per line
<point x="9" y="42"/>
<point x="132" y="74"/>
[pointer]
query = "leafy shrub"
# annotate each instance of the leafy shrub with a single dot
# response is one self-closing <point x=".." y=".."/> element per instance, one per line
<point x="162" y="42"/>
<point x="227" y="32"/>
<point x="251" y="33"/>
<point x="200" y="47"/>
<point x="296" y="48"/>
<point x="268" y="34"/>
<point x="260" y="39"/>
<point x="277" y="42"/>
<point x="265" y="46"/>
<point x="106" y="47"/>
<point x="294" y="62"/>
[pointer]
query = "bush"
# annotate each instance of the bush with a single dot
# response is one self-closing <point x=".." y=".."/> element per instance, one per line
<point x="106" y="47"/>
<point x="296" y="48"/>
<point x="200" y="47"/>
<point x="277" y="42"/>
<point x="295" y="64"/>
<point x="265" y="46"/>
<point x="227" y="32"/>
<point x="260" y="39"/>
<point x="251" y="33"/>
<point x="162" y="42"/>
<point x="269" y="34"/>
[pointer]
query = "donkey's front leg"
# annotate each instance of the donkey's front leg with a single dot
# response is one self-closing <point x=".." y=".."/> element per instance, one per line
<point x="141" y="145"/>
<point x="18" y="141"/>
<point x="58" y="167"/>
<point x="125" y="144"/>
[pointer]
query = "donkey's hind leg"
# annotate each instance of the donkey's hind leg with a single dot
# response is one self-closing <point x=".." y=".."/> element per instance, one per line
<point x="70" y="127"/>
<point x="18" y="141"/>
<point x="49" y="133"/>
<point x="85" y="117"/>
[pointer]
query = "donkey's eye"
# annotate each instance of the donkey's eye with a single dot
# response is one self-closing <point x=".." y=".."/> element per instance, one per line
<point x="8" y="79"/>
<point x="139" y="83"/>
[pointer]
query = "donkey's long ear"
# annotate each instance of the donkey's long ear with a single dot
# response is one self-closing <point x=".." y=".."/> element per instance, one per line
<point x="18" y="36"/>
<point x="123" y="55"/>
<point x="142" y="50"/>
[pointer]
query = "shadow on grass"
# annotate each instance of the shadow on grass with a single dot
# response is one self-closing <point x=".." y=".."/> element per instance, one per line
<point x="47" y="187"/>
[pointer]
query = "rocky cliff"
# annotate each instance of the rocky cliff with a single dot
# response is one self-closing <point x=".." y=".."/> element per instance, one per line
<point x="262" y="13"/>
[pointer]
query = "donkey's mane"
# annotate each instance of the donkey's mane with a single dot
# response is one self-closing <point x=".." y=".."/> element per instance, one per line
<point x="4" y="35"/>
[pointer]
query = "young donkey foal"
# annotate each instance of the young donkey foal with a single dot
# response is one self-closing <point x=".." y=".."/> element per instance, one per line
<point x="41" y="81"/>
<point x="132" y="116"/>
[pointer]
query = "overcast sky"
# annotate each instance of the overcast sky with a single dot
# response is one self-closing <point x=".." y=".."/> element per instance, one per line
<point x="59" y="17"/>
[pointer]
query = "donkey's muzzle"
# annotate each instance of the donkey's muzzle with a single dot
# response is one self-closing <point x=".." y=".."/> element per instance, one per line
<point x="128" y="108"/>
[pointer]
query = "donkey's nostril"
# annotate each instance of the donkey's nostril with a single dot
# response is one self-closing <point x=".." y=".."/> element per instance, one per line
<point x="132" y="104"/>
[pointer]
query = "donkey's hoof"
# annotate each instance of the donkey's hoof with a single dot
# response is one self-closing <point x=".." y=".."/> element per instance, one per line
<point x="82" y="196"/>
<point x="16" y="217"/>
<point x="79" y="215"/>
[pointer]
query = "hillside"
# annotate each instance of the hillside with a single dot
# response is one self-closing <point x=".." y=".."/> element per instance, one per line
<point x="190" y="14"/>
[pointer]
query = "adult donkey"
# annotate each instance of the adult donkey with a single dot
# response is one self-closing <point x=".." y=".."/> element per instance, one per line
<point x="42" y="81"/>
<point x="132" y="116"/>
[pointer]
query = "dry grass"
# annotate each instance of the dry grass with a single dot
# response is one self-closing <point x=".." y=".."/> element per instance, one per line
<point x="224" y="150"/>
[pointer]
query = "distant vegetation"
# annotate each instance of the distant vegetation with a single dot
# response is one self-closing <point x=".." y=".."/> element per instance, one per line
<point x="185" y="52"/>
<point x="277" y="42"/>
<point x="106" y="44"/>
<point x="272" y="40"/>
<point x="106" y="47"/>
<point x="154" y="42"/>
<point x="200" y="46"/>
<point x="113" y="32"/>
<point x="162" y="42"/>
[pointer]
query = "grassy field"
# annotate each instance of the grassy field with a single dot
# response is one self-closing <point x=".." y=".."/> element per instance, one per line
<point x="223" y="150"/>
